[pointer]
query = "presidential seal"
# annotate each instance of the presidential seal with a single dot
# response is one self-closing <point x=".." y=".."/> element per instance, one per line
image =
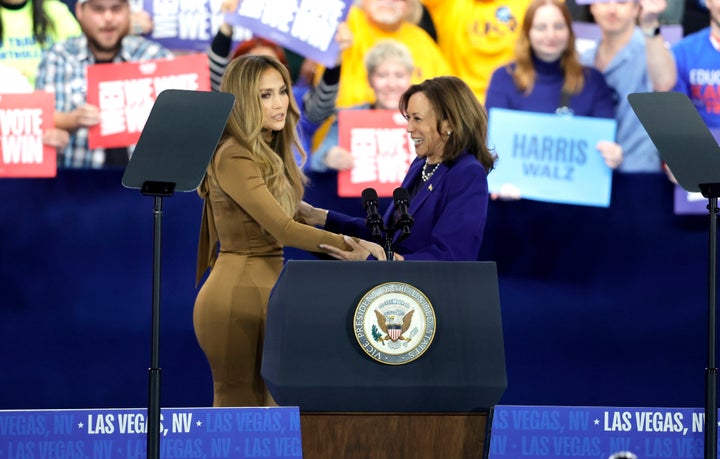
<point x="394" y="323"/>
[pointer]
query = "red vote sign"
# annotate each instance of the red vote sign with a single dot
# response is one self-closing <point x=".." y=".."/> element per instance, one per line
<point x="23" y="119"/>
<point x="125" y="94"/>
<point x="381" y="151"/>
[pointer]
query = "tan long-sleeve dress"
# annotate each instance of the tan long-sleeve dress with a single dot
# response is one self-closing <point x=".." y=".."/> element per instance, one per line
<point x="251" y="227"/>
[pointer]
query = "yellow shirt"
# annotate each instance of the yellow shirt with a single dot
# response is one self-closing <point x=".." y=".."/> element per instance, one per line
<point x="19" y="49"/>
<point x="477" y="36"/>
<point x="354" y="87"/>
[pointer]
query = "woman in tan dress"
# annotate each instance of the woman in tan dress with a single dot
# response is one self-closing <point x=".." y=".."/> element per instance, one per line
<point x="251" y="190"/>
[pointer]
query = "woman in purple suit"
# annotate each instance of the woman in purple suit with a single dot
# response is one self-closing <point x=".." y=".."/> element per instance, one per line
<point x="447" y="182"/>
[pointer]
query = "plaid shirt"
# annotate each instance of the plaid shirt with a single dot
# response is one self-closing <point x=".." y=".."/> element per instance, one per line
<point x="63" y="71"/>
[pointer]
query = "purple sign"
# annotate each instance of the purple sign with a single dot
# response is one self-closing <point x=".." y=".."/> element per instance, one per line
<point x="689" y="203"/>
<point x="185" y="25"/>
<point x="595" y="432"/>
<point x="184" y="432"/>
<point x="307" y="27"/>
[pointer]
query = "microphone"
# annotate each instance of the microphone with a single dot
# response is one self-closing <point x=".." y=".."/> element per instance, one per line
<point x="401" y="197"/>
<point x="373" y="220"/>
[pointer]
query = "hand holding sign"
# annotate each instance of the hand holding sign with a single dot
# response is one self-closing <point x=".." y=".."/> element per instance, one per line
<point x="56" y="138"/>
<point x="339" y="158"/>
<point x="85" y="116"/>
<point x="611" y="152"/>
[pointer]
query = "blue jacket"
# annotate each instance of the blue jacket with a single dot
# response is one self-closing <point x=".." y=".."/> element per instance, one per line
<point x="449" y="210"/>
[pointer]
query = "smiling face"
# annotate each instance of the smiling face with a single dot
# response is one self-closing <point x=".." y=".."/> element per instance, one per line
<point x="275" y="98"/>
<point x="389" y="81"/>
<point x="615" y="17"/>
<point x="105" y="23"/>
<point x="422" y="127"/>
<point x="385" y="13"/>
<point x="549" y="33"/>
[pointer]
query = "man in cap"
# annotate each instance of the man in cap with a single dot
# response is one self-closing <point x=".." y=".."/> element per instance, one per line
<point x="63" y="70"/>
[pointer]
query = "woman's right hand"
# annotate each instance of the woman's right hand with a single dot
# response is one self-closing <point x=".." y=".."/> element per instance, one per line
<point x="360" y="250"/>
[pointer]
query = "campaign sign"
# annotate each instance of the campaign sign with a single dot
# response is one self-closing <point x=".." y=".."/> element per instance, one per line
<point x="125" y="94"/>
<point x="549" y="157"/>
<point x="689" y="202"/>
<point x="305" y="26"/>
<point x="595" y="432"/>
<point x="381" y="151"/>
<point x="186" y="25"/>
<point x="23" y="119"/>
<point x="122" y="433"/>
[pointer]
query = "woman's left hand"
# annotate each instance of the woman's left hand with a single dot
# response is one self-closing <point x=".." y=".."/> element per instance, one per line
<point x="360" y="250"/>
<point x="611" y="152"/>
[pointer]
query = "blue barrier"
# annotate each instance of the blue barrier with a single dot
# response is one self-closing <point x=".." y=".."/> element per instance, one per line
<point x="595" y="432"/>
<point x="600" y="306"/>
<point x="122" y="433"/>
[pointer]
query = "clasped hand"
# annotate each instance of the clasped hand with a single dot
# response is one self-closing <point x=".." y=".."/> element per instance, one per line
<point x="361" y="249"/>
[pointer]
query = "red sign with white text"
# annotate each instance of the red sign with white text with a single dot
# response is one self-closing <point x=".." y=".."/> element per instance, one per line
<point x="381" y="150"/>
<point x="23" y="119"/>
<point x="125" y="94"/>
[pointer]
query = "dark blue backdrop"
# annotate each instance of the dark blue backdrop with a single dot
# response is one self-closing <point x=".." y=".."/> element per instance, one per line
<point x="600" y="306"/>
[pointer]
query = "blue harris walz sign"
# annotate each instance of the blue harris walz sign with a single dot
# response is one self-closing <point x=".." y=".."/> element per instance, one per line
<point x="549" y="157"/>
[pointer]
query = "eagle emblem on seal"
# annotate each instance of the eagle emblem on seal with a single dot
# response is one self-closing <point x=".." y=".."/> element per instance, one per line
<point x="393" y="325"/>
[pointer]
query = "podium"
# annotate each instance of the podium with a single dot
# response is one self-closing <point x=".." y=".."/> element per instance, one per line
<point x="313" y="358"/>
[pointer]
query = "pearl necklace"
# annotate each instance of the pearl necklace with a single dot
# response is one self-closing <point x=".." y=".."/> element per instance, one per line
<point x="424" y="174"/>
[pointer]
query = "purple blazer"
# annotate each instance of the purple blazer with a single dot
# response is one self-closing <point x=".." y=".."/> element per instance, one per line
<point x="449" y="210"/>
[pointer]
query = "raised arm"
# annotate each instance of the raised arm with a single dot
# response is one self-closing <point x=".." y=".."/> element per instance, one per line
<point x="660" y="61"/>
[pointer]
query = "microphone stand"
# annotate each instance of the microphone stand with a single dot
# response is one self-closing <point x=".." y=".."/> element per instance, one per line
<point x="388" y="245"/>
<point x="374" y="222"/>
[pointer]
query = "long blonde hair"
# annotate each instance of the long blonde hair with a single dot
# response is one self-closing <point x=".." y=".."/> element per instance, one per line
<point x="276" y="159"/>
<point x="524" y="74"/>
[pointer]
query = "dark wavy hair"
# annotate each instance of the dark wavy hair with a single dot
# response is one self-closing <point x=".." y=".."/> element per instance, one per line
<point x="42" y="25"/>
<point x="453" y="101"/>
